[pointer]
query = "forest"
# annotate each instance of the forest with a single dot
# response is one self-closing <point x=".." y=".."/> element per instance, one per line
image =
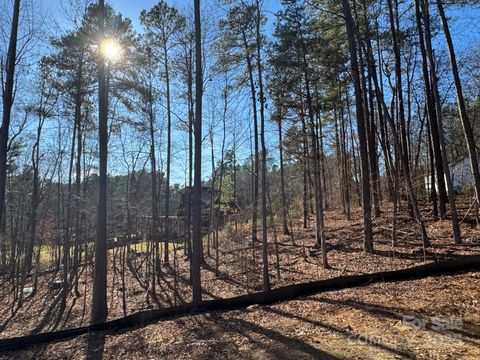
<point x="240" y="179"/>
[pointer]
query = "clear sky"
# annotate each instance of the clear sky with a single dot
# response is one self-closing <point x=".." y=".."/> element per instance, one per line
<point x="132" y="8"/>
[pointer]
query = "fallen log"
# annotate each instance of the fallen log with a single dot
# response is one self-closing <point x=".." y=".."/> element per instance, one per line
<point x="290" y="292"/>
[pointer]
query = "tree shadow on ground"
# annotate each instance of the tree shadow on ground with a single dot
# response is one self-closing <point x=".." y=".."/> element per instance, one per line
<point x="186" y="281"/>
<point x="406" y="256"/>
<point x="95" y="346"/>
<point x="274" y="343"/>
<point x="9" y="318"/>
<point x="348" y="334"/>
<point x="469" y="330"/>
<point x="67" y="315"/>
<point x="224" y="276"/>
<point x="47" y="317"/>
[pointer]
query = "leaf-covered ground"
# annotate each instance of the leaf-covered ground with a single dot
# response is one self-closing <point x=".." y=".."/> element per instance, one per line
<point x="368" y="321"/>
<point x="373" y="322"/>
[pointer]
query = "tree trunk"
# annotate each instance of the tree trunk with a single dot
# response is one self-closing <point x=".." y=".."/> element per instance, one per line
<point x="305" y="167"/>
<point x="169" y="154"/>
<point x="403" y="160"/>
<point x="438" y="107"/>
<point x="197" y="194"/>
<point x="153" y="164"/>
<point x="372" y="147"/>
<point x="266" y="277"/>
<point x="220" y="185"/>
<point x="99" y="300"/>
<point x="438" y="162"/>
<point x="190" y="155"/>
<point x="7" y="98"/>
<point x="345" y="161"/>
<point x="78" y="169"/>
<point x="352" y="146"/>
<point x="433" y="190"/>
<point x="68" y="219"/>
<point x="393" y="16"/>
<point x="339" y="159"/>
<point x="282" y="176"/>
<point x="367" y="207"/>
<point x="255" y="131"/>
<point x="317" y="181"/>
<point x="467" y="127"/>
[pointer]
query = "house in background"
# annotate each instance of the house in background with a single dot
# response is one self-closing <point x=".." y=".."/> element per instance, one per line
<point x="461" y="175"/>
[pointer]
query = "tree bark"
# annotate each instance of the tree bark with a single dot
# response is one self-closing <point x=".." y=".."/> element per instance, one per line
<point x="153" y="164"/>
<point x="7" y="98"/>
<point x="403" y="161"/>
<point x="367" y="207"/>
<point x="467" y="126"/>
<point x="266" y="277"/>
<point x="438" y="108"/>
<point x="169" y="155"/>
<point x="437" y="152"/>
<point x="99" y="300"/>
<point x="256" y="145"/>
<point x="197" y="195"/>
<point x="393" y="16"/>
<point x="282" y="175"/>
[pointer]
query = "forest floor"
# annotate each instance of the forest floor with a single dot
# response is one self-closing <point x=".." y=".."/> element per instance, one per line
<point x="364" y="323"/>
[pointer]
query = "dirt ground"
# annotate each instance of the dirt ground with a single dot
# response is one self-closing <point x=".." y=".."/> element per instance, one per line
<point x="363" y="323"/>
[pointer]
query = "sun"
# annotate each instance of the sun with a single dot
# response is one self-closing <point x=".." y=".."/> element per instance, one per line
<point x="111" y="50"/>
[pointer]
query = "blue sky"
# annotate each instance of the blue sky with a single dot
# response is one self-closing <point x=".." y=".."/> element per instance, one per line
<point x="464" y="21"/>
<point x="465" y="27"/>
<point x="132" y="8"/>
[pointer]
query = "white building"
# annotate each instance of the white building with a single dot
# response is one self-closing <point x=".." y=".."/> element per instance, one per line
<point x="461" y="175"/>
